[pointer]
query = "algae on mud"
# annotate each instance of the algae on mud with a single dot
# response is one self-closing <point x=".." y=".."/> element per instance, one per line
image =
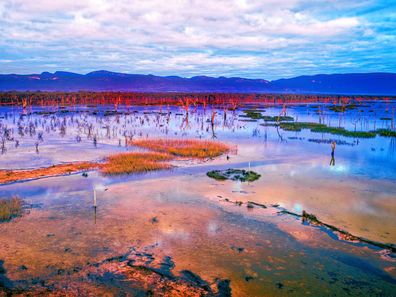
<point x="234" y="174"/>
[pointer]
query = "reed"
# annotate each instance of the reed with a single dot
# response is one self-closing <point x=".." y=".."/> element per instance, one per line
<point x="8" y="176"/>
<point x="135" y="162"/>
<point x="200" y="149"/>
<point x="10" y="208"/>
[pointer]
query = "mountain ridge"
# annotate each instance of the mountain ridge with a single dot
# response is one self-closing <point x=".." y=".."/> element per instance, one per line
<point x="375" y="83"/>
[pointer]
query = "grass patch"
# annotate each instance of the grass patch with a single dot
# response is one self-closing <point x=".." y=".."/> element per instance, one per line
<point x="10" y="208"/>
<point x="254" y="110"/>
<point x="184" y="147"/>
<point x="386" y="132"/>
<point x="342" y="108"/>
<point x="255" y="115"/>
<point x="8" y="176"/>
<point x="321" y="128"/>
<point x="234" y="174"/>
<point x="298" y="126"/>
<point x="252" y="114"/>
<point x="277" y="118"/>
<point x="134" y="162"/>
<point x="343" y="132"/>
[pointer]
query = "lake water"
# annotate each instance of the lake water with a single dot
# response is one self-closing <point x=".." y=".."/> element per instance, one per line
<point x="179" y="223"/>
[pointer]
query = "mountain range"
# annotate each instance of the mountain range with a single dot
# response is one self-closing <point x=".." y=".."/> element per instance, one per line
<point x="350" y="83"/>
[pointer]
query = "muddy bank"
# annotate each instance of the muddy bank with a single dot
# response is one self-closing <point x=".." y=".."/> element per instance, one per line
<point x="312" y="220"/>
<point x="160" y="151"/>
<point x="136" y="272"/>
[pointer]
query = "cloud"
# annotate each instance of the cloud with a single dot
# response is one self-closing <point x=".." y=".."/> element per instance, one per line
<point x="179" y="36"/>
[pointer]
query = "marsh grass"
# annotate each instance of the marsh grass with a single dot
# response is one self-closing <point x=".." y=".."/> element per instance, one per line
<point x="278" y="118"/>
<point x="344" y="132"/>
<point x="200" y="149"/>
<point x="10" y="208"/>
<point x="343" y="108"/>
<point x="135" y="162"/>
<point x="162" y="150"/>
<point x="298" y="126"/>
<point x="386" y="132"/>
<point x="321" y="128"/>
<point x="255" y="115"/>
<point x="7" y="176"/>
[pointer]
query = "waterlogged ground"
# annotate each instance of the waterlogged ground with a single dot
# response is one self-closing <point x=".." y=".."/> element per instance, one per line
<point x="177" y="231"/>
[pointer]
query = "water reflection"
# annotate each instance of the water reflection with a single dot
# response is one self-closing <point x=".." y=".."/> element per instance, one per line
<point x="178" y="213"/>
<point x="332" y="160"/>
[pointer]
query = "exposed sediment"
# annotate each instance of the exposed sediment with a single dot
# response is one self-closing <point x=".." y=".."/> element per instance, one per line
<point x="312" y="220"/>
<point x="162" y="150"/>
<point x="135" y="273"/>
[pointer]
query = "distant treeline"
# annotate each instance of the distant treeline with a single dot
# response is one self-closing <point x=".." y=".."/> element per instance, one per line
<point x="228" y="100"/>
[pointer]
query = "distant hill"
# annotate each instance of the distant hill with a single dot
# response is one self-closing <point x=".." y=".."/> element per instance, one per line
<point x="351" y="83"/>
<point x="354" y="83"/>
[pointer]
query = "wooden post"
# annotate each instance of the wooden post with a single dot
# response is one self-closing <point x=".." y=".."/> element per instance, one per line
<point x="94" y="197"/>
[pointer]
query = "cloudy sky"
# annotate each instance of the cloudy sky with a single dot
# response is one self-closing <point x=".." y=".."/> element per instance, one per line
<point x="250" y="38"/>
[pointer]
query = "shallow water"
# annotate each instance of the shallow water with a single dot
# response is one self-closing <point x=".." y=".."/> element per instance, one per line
<point x="181" y="213"/>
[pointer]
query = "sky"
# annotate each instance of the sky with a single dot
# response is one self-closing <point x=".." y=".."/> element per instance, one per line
<point x="266" y="39"/>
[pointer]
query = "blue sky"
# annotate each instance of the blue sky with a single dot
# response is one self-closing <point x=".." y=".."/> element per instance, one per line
<point x="266" y="39"/>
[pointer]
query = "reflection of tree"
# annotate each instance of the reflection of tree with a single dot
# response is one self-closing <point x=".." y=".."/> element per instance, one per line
<point x="277" y="130"/>
<point x="4" y="281"/>
<point x="332" y="160"/>
<point x="212" y="123"/>
<point x="392" y="146"/>
<point x="185" y="124"/>
<point x="282" y="113"/>
<point x="355" y="119"/>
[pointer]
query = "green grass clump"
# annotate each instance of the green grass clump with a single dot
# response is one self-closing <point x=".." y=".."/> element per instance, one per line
<point x="386" y="132"/>
<point x="298" y="126"/>
<point x="217" y="175"/>
<point x="255" y="115"/>
<point x="234" y="174"/>
<point x="254" y="110"/>
<point x="10" y="208"/>
<point x="252" y="114"/>
<point x="344" y="132"/>
<point x="278" y="118"/>
<point x="322" y="128"/>
<point x="343" y="108"/>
